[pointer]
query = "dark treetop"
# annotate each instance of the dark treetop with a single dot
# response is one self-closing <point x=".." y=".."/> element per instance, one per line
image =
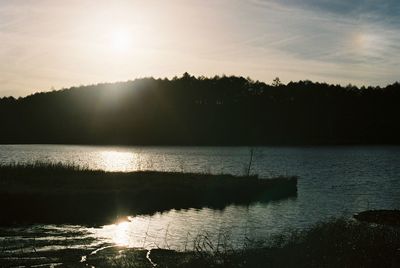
<point x="205" y="111"/>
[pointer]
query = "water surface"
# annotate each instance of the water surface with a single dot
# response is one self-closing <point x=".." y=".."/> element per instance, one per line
<point x="334" y="182"/>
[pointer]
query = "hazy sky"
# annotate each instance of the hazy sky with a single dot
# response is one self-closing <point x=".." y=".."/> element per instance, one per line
<point x="48" y="44"/>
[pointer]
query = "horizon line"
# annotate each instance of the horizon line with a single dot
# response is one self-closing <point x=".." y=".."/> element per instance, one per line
<point x="199" y="77"/>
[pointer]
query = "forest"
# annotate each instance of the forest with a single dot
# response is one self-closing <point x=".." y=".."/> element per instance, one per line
<point x="189" y="110"/>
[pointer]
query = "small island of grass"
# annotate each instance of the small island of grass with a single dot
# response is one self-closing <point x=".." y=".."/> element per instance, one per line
<point x="56" y="193"/>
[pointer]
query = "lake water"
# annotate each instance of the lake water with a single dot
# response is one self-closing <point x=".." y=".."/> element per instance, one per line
<point x="333" y="182"/>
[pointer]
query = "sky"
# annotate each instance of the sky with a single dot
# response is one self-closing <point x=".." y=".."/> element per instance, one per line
<point x="47" y="44"/>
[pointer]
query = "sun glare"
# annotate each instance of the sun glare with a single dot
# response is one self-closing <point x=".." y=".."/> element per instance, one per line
<point x="121" y="41"/>
<point x="121" y="236"/>
<point x="117" y="161"/>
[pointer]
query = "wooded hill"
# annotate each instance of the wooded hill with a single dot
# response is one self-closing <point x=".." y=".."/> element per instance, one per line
<point x="205" y="111"/>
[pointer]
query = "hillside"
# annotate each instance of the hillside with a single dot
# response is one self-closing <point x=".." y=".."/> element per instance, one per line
<point x="204" y="111"/>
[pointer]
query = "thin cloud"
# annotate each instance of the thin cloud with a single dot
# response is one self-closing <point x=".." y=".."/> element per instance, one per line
<point x="51" y="43"/>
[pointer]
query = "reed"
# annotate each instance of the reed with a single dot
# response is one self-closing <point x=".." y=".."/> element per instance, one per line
<point x="58" y="193"/>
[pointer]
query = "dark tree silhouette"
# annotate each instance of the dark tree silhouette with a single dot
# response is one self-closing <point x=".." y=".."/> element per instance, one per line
<point x="276" y="82"/>
<point x="225" y="110"/>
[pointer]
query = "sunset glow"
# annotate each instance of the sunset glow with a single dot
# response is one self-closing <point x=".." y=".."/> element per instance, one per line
<point x="189" y="133"/>
<point x="121" y="41"/>
<point x="59" y="44"/>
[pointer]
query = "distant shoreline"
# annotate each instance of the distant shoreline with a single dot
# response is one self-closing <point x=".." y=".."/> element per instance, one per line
<point x="218" y="111"/>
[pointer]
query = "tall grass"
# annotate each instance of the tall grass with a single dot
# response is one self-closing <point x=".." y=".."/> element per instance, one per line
<point x="59" y="193"/>
<point x="42" y="169"/>
<point x="336" y="243"/>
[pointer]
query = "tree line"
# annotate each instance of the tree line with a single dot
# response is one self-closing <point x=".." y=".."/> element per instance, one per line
<point x="188" y="110"/>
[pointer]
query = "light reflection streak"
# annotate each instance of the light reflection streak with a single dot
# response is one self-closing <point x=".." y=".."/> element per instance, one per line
<point x="173" y="229"/>
<point x="117" y="161"/>
<point x="121" y="236"/>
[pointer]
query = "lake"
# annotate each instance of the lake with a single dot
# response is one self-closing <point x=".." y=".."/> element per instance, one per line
<point x="333" y="182"/>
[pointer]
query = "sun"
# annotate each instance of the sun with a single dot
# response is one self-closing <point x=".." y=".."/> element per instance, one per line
<point x="121" y="41"/>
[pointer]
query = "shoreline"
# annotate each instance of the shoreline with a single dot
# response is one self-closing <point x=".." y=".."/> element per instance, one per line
<point x="335" y="243"/>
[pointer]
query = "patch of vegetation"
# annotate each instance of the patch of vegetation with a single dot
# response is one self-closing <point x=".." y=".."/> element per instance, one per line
<point x="57" y="193"/>
<point x="188" y="110"/>
<point x="337" y="243"/>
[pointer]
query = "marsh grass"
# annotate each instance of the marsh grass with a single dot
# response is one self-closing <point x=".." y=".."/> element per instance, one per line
<point x="59" y="193"/>
<point x="335" y="243"/>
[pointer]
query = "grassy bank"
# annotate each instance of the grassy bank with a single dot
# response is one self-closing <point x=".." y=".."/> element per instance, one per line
<point x="336" y="243"/>
<point x="55" y="193"/>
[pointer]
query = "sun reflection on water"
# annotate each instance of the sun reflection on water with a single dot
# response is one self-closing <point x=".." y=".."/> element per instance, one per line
<point x="130" y="233"/>
<point x="162" y="230"/>
<point x="117" y="161"/>
<point x="121" y="236"/>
